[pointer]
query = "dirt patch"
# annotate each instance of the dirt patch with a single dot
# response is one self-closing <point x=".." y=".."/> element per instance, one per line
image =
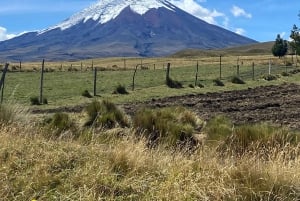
<point x="276" y="104"/>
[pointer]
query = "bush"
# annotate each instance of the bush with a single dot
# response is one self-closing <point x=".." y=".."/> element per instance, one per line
<point x="87" y="94"/>
<point x="120" y="89"/>
<point x="105" y="114"/>
<point x="173" y="83"/>
<point x="218" y="82"/>
<point x="168" y="126"/>
<point x="191" y="86"/>
<point x="237" y="80"/>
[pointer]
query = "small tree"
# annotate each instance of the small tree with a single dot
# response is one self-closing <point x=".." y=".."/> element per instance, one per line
<point x="295" y="36"/>
<point x="280" y="47"/>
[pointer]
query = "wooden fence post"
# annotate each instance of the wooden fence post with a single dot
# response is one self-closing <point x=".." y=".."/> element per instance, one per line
<point x="133" y="78"/>
<point x="238" y="67"/>
<point x="253" y="71"/>
<point x="168" y="72"/>
<point x="220" y="67"/>
<point x="296" y="58"/>
<point x="2" y="80"/>
<point x="197" y="70"/>
<point x="42" y="82"/>
<point x="95" y="81"/>
<point x="270" y="66"/>
<point x="20" y="66"/>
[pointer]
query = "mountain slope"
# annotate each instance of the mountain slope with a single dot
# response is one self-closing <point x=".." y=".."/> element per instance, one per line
<point x="121" y="28"/>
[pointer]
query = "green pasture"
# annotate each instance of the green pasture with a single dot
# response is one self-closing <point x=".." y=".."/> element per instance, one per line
<point x="63" y="88"/>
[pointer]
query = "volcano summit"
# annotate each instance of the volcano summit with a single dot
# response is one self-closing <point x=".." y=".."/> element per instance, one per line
<point x="120" y="28"/>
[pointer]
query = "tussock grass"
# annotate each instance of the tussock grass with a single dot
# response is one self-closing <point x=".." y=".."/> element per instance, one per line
<point x="116" y="165"/>
<point x="105" y="114"/>
<point x="168" y="126"/>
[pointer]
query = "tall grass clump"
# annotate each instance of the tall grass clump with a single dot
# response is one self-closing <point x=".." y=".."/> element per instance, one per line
<point x="261" y="140"/>
<point x="173" y="83"/>
<point x="10" y="113"/>
<point x="168" y="126"/>
<point x="105" y="114"/>
<point x="218" y="82"/>
<point x="218" y="128"/>
<point x="120" y="89"/>
<point x="237" y="80"/>
<point x="60" y="124"/>
<point x="86" y="94"/>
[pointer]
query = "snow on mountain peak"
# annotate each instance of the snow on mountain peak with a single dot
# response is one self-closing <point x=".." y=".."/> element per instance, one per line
<point x="106" y="10"/>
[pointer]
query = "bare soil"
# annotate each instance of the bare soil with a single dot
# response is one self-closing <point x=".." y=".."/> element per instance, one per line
<point x="278" y="105"/>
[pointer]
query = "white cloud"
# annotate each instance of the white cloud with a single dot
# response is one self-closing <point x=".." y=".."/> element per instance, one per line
<point x="4" y="35"/>
<point x="192" y="7"/>
<point x="240" y="12"/>
<point x="240" y="31"/>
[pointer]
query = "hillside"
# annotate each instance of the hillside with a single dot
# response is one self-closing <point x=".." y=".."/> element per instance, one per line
<point x="243" y="50"/>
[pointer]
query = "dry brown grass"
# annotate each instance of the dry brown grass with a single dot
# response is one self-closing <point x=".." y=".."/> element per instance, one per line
<point x="33" y="167"/>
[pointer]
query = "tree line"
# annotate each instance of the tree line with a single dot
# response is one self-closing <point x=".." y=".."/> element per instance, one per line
<point x="281" y="47"/>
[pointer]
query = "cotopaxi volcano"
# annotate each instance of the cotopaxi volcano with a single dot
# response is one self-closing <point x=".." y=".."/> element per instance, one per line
<point x="120" y="28"/>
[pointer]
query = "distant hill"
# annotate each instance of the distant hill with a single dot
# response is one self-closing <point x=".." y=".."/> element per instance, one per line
<point x="123" y="28"/>
<point x="243" y="50"/>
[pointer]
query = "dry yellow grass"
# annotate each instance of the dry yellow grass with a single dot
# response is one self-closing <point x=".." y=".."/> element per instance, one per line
<point x="118" y="63"/>
<point x="34" y="167"/>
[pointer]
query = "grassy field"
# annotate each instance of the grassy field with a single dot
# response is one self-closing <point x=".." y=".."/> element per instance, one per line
<point x="163" y="154"/>
<point x="64" y="86"/>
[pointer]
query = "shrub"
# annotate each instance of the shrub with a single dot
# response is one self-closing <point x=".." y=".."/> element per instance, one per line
<point x="106" y="114"/>
<point x="218" y="82"/>
<point x="87" y="94"/>
<point x="237" y="80"/>
<point x="120" y="89"/>
<point x="173" y="83"/>
<point x="168" y="126"/>
<point x="34" y="100"/>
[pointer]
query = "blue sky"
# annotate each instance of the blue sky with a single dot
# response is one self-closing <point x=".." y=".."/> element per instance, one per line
<point x="261" y="20"/>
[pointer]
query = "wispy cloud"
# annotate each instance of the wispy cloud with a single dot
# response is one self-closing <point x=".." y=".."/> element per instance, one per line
<point x="240" y="31"/>
<point x="192" y="7"/>
<point x="4" y="35"/>
<point x="240" y="12"/>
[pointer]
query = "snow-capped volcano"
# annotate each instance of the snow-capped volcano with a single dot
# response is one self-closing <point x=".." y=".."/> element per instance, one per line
<point x="105" y="10"/>
<point x="120" y="28"/>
